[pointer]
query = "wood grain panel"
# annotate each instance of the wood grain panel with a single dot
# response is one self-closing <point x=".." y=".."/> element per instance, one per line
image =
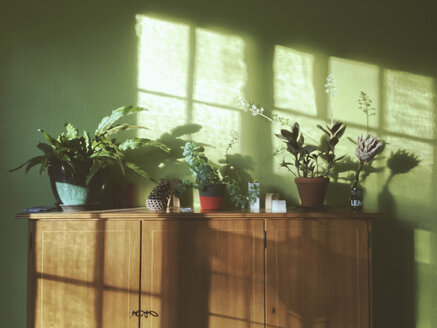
<point x="199" y="274"/>
<point x="317" y="274"/>
<point x="84" y="274"/>
<point x="145" y="214"/>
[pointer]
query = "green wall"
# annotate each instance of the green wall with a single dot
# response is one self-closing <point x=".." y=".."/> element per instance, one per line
<point x="75" y="61"/>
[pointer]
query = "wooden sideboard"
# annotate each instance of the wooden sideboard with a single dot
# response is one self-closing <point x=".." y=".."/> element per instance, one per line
<point x="134" y="268"/>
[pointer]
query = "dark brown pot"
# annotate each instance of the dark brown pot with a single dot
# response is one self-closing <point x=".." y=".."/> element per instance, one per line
<point x="312" y="191"/>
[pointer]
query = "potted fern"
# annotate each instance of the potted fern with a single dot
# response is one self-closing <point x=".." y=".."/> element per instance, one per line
<point x="75" y="161"/>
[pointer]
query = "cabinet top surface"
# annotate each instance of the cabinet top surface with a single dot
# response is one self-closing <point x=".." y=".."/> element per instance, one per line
<point x="142" y="213"/>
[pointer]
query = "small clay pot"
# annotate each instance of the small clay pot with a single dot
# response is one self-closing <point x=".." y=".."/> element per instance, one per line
<point x="212" y="197"/>
<point x="312" y="191"/>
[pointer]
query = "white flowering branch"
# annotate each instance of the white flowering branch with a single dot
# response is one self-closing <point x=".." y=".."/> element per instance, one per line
<point x="331" y="90"/>
<point x="259" y="111"/>
<point x="253" y="109"/>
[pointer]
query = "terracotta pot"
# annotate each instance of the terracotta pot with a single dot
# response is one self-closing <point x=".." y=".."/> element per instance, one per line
<point x="212" y="197"/>
<point x="312" y="191"/>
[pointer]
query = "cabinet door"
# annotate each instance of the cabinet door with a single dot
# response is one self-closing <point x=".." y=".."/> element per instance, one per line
<point x="317" y="274"/>
<point x="84" y="274"/>
<point x="201" y="273"/>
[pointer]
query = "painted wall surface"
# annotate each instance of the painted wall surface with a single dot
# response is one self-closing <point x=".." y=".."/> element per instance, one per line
<point x="187" y="60"/>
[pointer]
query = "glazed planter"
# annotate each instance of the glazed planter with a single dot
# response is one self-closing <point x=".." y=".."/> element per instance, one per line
<point x="212" y="197"/>
<point x="312" y="191"/>
<point x="71" y="192"/>
<point x="55" y="174"/>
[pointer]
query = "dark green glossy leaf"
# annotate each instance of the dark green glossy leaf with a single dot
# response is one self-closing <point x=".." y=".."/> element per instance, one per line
<point x="333" y="141"/>
<point x="137" y="170"/>
<point x="296" y="130"/>
<point x="335" y="127"/>
<point x="291" y="149"/>
<point x="287" y="135"/>
<point x="309" y="149"/>
<point x="136" y="143"/>
<point x="45" y="148"/>
<point x="123" y="127"/>
<point x="340" y="132"/>
<point x="44" y="164"/>
<point x="30" y="163"/>
<point x="107" y="122"/>
<point x="52" y="140"/>
<point x="300" y="141"/>
<point x="280" y="136"/>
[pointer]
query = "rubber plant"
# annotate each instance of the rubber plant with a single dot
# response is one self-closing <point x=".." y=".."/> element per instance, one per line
<point x="307" y="158"/>
<point x="311" y="164"/>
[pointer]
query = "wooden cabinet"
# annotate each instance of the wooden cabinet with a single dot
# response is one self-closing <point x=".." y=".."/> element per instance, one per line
<point x="203" y="273"/>
<point x="83" y="273"/>
<point x="297" y="270"/>
<point x="317" y="273"/>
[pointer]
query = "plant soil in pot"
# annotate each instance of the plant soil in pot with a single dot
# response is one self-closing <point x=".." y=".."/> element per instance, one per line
<point x="212" y="197"/>
<point x="312" y="191"/>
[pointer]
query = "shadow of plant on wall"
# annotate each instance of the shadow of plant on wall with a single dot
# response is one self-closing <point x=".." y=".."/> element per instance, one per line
<point x="342" y="177"/>
<point x="195" y="72"/>
<point x="394" y="240"/>
<point x="399" y="162"/>
<point x="168" y="165"/>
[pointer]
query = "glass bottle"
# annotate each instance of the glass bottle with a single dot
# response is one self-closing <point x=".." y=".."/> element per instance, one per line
<point x="356" y="196"/>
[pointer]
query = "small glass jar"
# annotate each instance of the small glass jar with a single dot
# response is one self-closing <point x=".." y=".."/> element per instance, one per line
<point x="255" y="205"/>
<point x="356" y="197"/>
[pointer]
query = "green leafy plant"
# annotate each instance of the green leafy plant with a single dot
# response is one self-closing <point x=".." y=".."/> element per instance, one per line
<point x="85" y="155"/>
<point x="309" y="160"/>
<point x="207" y="174"/>
<point x="204" y="174"/>
<point x="239" y="198"/>
<point x="306" y="157"/>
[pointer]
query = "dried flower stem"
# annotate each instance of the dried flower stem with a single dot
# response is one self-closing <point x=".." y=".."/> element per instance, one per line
<point x="365" y="104"/>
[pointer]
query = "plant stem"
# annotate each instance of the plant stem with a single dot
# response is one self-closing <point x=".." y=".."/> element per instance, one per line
<point x="367" y="124"/>
<point x="357" y="174"/>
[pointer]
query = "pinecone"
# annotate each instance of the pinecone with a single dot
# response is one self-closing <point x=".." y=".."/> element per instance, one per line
<point x="159" y="196"/>
<point x="368" y="147"/>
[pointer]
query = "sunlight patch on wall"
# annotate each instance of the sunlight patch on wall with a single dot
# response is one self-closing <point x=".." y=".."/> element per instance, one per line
<point x="164" y="114"/>
<point x="426" y="277"/>
<point x="218" y="124"/>
<point x="220" y="70"/>
<point x="163" y="52"/>
<point x="405" y="187"/>
<point x="422" y="246"/>
<point x="293" y="81"/>
<point x="189" y="75"/>
<point x="409" y="104"/>
<point x="353" y="77"/>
